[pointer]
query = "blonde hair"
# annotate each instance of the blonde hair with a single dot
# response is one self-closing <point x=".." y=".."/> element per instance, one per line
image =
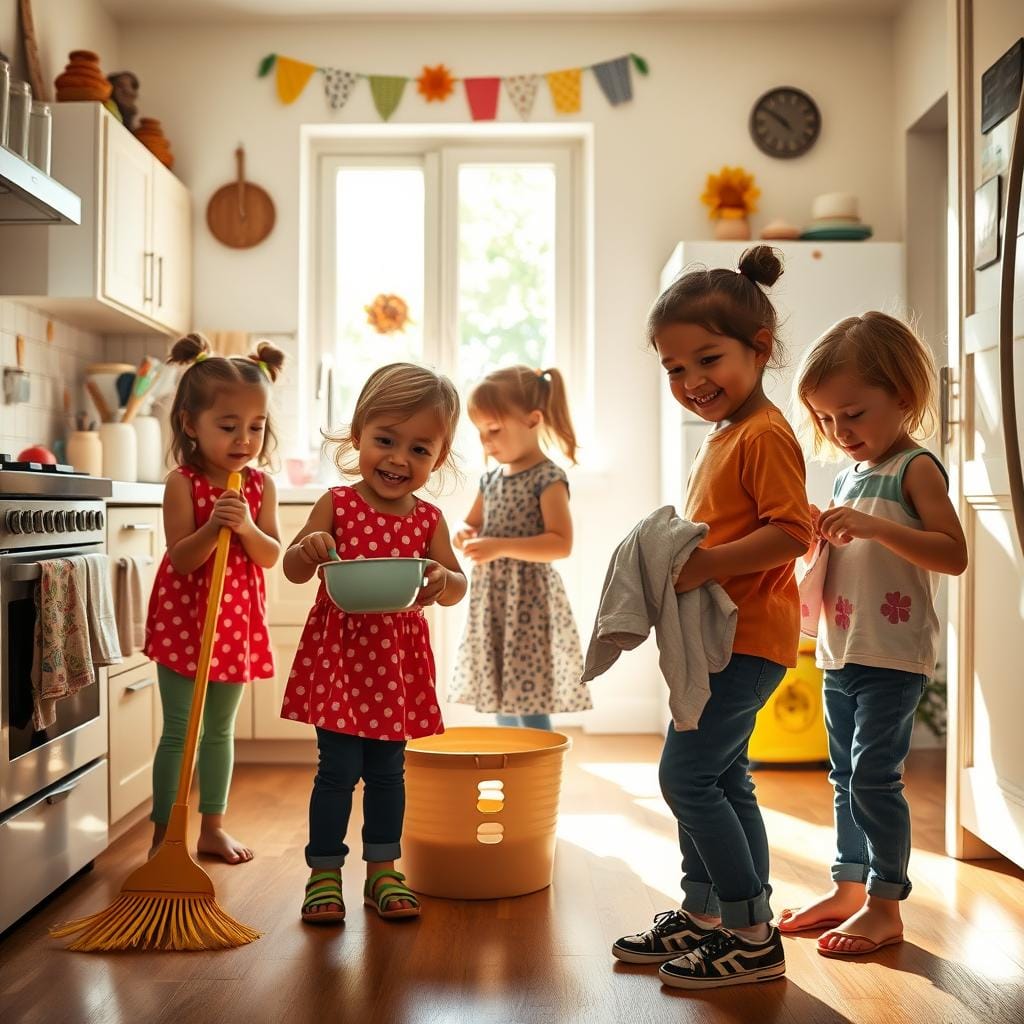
<point x="205" y="376"/>
<point x="399" y="390"/>
<point x="881" y="351"/>
<point x="523" y="389"/>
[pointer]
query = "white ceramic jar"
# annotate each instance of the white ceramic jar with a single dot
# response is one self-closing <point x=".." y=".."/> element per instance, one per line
<point x="150" y="445"/>
<point x="85" y="452"/>
<point x="120" y="451"/>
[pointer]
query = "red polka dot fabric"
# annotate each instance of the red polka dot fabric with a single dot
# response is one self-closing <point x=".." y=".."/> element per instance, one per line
<point x="177" y="605"/>
<point x="368" y="675"/>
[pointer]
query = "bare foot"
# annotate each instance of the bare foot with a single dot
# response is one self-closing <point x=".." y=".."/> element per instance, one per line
<point x="217" y="843"/>
<point x="826" y="911"/>
<point x="878" y="922"/>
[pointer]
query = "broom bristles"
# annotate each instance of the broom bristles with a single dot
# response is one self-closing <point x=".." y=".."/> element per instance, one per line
<point x="157" y="922"/>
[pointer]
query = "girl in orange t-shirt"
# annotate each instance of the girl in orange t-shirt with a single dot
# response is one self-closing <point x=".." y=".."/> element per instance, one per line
<point x="714" y="331"/>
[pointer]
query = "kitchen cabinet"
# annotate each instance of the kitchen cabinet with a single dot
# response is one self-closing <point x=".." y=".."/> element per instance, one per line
<point x="288" y="604"/>
<point x="128" y="265"/>
<point x="268" y="693"/>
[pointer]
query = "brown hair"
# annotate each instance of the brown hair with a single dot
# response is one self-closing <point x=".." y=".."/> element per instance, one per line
<point x="884" y="353"/>
<point x="205" y="375"/>
<point x="725" y="302"/>
<point x="522" y="389"/>
<point x="400" y="390"/>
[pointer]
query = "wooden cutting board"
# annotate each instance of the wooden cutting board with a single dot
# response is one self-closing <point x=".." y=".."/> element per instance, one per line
<point x="240" y="214"/>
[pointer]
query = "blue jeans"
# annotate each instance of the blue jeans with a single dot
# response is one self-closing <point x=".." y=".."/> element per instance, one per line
<point x="344" y="760"/>
<point x="527" y="721"/>
<point x="705" y="782"/>
<point x="870" y="713"/>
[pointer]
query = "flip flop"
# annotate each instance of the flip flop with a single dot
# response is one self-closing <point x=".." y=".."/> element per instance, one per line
<point x="873" y="947"/>
<point x="817" y="926"/>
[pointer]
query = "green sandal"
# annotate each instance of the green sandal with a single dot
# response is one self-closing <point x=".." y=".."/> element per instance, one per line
<point x="323" y="889"/>
<point x="390" y="893"/>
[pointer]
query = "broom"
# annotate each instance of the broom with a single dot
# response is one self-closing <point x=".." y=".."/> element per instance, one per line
<point x="169" y="902"/>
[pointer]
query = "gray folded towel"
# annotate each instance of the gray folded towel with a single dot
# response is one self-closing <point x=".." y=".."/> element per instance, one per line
<point x="103" y="641"/>
<point x="131" y="621"/>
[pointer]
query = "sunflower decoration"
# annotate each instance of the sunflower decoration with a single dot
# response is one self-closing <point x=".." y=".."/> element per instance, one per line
<point x="730" y="194"/>
<point x="387" y="314"/>
<point x="435" y="84"/>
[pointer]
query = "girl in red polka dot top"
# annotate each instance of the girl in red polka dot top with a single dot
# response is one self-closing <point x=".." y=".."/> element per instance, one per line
<point x="220" y="423"/>
<point x="366" y="681"/>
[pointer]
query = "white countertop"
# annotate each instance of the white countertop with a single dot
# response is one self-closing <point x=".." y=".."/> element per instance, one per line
<point x="153" y="494"/>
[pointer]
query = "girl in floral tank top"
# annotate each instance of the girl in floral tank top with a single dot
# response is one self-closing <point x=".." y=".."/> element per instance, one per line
<point x="220" y="424"/>
<point x="365" y="682"/>
<point x="868" y="387"/>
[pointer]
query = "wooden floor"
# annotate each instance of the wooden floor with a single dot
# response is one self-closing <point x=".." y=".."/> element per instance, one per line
<point x="543" y="958"/>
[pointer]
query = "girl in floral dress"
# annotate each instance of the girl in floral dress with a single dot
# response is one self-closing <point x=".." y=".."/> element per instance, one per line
<point x="867" y="386"/>
<point x="366" y="681"/>
<point x="220" y="423"/>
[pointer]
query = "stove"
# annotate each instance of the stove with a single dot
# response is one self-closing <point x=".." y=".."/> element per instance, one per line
<point x="53" y="782"/>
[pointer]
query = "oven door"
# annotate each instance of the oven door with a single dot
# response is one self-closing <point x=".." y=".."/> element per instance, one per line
<point x="31" y="760"/>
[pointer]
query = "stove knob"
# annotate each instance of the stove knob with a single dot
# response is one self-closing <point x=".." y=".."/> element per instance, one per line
<point x="48" y="526"/>
<point x="12" y="522"/>
<point x="70" y="523"/>
<point x="37" y="521"/>
<point x="58" y="520"/>
<point x="100" y="520"/>
<point x="82" y="519"/>
<point x="26" y="521"/>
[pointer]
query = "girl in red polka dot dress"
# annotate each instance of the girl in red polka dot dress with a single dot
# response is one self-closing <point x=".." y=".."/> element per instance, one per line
<point x="220" y="423"/>
<point x="366" y="681"/>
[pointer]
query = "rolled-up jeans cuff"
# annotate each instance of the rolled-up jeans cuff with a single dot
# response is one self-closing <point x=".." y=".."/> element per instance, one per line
<point x="888" y="890"/>
<point x="850" y="873"/>
<point x="328" y="862"/>
<point x="746" y="913"/>
<point x="375" y="852"/>
<point x="700" y="898"/>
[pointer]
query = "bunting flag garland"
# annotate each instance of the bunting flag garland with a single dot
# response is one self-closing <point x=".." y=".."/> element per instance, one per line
<point x="614" y="79"/>
<point x="565" y="90"/>
<point x="436" y="84"/>
<point x="482" y="97"/>
<point x="522" y="90"/>
<point x="387" y="93"/>
<point x="338" y="86"/>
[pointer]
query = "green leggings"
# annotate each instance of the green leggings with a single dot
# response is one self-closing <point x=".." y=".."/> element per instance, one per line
<point x="216" y="743"/>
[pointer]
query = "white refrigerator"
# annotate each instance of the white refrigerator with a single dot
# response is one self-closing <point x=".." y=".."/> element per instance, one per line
<point x="822" y="283"/>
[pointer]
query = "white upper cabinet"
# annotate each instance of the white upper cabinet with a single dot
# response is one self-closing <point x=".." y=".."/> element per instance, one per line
<point x="128" y="265"/>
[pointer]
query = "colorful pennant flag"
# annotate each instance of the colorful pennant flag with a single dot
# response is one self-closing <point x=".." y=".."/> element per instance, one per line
<point x="613" y="77"/>
<point x="482" y="96"/>
<point x="338" y="86"/>
<point x="387" y="93"/>
<point x="565" y="90"/>
<point x="522" y="90"/>
<point x="292" y="76"/>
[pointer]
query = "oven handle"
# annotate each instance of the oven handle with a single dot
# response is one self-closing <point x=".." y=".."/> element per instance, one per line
<point x="23" y="572"/>
<point x="62" y="792"/>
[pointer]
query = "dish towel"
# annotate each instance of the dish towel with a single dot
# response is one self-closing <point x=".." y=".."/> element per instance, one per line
<point x="694" y="631"/>
<point x="99" y="602"/>
<point x="62" y="663"/>
<point x="131" y="620"/>
<point x="812" y="590"/>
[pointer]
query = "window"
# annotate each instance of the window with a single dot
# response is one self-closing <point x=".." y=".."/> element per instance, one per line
<point x="481" y="243"/>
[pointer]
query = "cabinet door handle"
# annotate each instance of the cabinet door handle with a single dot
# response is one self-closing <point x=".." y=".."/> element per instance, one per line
<point x="62" y="793"/>
<point x="141" y="527"/>
<point x="142" y="684"/>
<point x="160" y="281"/>
<point x="147" y="277"/>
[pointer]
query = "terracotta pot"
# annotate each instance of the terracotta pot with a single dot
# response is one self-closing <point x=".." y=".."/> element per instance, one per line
<point x="732" y="229"/>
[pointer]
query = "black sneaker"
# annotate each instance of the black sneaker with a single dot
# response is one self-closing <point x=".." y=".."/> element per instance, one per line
<point x="723" y="958"/>
<point x="674" y="932"/>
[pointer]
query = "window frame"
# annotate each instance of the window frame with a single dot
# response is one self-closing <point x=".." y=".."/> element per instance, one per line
<point x="441" y="153"/>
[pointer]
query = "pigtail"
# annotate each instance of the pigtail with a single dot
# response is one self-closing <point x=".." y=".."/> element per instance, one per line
<point x="269" y="359"/>
<point x="554" y="403"/>
<point x="188" y="349"/>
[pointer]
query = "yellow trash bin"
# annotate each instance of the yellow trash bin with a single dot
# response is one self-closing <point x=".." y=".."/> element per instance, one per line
<point x="790" y="728"/>
<point x="481" y="811"/>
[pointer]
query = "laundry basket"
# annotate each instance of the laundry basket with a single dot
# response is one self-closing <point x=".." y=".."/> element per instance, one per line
<point x="481" y="811"/>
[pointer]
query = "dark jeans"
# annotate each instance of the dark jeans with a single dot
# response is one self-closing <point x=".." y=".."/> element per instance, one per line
<point x="344" y="760"/>
<point x="705" y="782"/>
<point x="870" y="714"/>
<point x="528" y="721"/>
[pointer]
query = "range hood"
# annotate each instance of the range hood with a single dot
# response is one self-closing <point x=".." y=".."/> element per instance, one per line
<point x="27" y="196"/>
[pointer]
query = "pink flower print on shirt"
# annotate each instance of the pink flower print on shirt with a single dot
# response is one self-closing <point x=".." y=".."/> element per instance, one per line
<point x="897" y="607"/>
<point x="844" y="609"/>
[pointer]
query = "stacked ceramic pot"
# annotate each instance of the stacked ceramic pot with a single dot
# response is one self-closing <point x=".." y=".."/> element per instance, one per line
<point x="151" y="135"/>
<point x="82" y="79"/>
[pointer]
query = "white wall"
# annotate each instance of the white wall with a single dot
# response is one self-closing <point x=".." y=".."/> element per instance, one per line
<point x="650" y="161"/>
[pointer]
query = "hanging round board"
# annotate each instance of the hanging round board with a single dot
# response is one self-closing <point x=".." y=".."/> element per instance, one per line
<point x="240" y="214"/>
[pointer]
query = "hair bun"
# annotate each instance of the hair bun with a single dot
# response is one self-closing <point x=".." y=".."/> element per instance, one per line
<point x="186" y="349"/>
<point x="272" y="358"/>
<point x="761" y="264"/>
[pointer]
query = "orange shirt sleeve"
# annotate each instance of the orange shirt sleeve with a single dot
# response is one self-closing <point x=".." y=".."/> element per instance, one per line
<point x="773" y="474"/>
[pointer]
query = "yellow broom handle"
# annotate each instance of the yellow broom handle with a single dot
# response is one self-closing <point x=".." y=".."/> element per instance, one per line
<point x="195" y="715"/>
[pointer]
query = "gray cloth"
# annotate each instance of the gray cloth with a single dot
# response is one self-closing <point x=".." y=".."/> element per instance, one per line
<point x="694" y="631"/>
<point x="131" y="619"/>
<point x="103" y="642"/>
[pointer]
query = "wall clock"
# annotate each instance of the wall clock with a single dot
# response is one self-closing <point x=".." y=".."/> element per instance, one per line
<point x="785" y="122"/>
